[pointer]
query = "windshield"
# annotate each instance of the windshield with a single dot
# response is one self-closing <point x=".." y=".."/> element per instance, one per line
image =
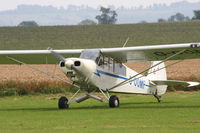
<point x="92" y="54"/>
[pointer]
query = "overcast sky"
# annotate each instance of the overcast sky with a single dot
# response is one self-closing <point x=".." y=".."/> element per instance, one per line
<point x="12" y="4"/>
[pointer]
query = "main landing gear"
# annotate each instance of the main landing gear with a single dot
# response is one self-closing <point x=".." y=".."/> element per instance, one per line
<point x="114" y="101"/>
<point x="158" y="98"/>
<point x="63" y="102"/>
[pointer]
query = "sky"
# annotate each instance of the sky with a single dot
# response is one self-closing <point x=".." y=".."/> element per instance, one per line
<point x="12" y="4"/>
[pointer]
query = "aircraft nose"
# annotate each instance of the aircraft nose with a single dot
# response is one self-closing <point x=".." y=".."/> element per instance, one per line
<point x="69" y="63"/>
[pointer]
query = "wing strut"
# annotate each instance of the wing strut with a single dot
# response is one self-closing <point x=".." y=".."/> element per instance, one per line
<point x="47" y="73"/>
<point x="130" y="79"/>
<point x="156" y="70"/>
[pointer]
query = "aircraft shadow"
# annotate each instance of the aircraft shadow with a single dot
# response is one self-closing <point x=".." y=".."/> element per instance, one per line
<point x="30" y="109"/>
<point x="139" y="105"/>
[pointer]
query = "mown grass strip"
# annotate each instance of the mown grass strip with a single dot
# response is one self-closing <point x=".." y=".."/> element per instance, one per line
<point x="179" y="113"/>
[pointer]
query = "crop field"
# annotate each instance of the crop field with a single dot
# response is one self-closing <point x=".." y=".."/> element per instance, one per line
<point x="98" y="36"/>
<point x="179" y="113"/>
<point x="28" y="80"/>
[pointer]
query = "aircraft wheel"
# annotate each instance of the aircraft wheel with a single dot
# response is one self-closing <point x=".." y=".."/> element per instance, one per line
<point x="62" y="103"/>
<point x="114" y="101"/>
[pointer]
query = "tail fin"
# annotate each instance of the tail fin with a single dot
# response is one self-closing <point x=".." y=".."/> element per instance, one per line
<point x="156" y="74"/>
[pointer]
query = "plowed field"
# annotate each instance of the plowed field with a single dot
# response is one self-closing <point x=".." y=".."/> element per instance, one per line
<point x="185" y="70"/>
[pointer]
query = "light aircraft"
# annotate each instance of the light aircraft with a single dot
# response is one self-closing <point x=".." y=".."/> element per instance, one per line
<point x="103" y="69"/>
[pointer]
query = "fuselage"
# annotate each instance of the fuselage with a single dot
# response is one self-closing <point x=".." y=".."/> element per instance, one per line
<point x="86" y="71"/>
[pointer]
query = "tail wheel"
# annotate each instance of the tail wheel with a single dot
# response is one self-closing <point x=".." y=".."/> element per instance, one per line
<point x="114" y="101"/>
<point x="62" y="103"/>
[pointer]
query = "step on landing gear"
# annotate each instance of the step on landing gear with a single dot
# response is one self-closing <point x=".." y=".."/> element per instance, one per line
<point x="63" y="103"/>
<point x="114" y="101"/>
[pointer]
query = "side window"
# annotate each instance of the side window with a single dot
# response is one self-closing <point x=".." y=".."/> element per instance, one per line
<point x="100" y="61"/>
<point x="108" y="63"/>
<point x="120" y="69"/>
<point x="111" y="65"/>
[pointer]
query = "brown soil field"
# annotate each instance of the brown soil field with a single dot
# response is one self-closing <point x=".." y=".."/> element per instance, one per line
<point x="188" y="70"/>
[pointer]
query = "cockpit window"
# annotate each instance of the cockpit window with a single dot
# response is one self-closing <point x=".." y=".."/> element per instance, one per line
<point x="91" y="54"/>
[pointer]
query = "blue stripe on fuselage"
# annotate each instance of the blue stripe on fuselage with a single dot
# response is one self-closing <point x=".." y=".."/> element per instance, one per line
<point x="98" y="72"/>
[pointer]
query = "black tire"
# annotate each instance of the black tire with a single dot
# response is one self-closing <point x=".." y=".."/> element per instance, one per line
<point x="114" y="101"/>
<point x="62" y="103"/>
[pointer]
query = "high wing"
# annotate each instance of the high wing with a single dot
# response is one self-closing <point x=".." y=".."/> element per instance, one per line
<point x="124" y="54"/>
<point x="35" y="56"/>
<point x="153" y="53"/>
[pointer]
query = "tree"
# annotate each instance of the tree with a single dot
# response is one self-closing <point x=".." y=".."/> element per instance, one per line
<point x="171" y="19"/>
<point x="143" y="22"/>
<point x="108" y="16"/>
<point x="27" y="23"/>
<point x="187" y="18"/>
<point x="87" y="22"/>
<point x="178" y="17"/>
<point x="196" y="14"/>
<point x="160" y="20"/>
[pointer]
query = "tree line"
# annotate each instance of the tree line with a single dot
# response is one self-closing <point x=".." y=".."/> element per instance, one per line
<point x="109" y="16"/>
<point x="180" y="17"/>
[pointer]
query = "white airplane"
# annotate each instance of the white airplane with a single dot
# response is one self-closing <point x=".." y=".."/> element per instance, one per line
<point x="103" y="69"/>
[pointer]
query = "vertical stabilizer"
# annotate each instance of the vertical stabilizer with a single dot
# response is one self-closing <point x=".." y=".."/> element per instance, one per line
<point x="156" y="74"/>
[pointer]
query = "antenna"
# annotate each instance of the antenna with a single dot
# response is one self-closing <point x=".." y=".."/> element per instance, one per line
<point x="126" y="42"/>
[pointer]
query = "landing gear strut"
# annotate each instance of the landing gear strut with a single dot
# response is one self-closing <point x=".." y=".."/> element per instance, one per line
<point x="158" y="98"/>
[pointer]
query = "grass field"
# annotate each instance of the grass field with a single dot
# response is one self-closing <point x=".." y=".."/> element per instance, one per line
<point x="98" y="36"/>
<point x="179" y="113"/>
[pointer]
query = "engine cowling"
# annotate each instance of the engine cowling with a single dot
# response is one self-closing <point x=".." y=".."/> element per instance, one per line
<point x="78" y="69"/>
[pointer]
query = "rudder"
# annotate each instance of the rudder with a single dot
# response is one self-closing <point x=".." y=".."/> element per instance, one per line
<point x="156" y="74"/>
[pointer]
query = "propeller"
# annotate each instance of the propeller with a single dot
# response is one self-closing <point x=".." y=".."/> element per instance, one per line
<point x="68" y="63"/>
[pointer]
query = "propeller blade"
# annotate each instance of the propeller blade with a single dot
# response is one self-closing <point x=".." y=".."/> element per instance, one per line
<point x="79" y="72"/>
<point x="58" y="56"/>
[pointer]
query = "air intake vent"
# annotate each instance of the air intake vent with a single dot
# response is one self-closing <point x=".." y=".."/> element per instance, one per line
<point x="62" y="64"/>
<point x="77" y="63"/>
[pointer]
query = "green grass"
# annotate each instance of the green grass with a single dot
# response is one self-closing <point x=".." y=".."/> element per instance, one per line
<point x="179" y="113"/>
<point x="95" y="36"/>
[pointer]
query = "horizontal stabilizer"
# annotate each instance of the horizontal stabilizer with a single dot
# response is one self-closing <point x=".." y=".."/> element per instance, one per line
<point x="175" y="82"/>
